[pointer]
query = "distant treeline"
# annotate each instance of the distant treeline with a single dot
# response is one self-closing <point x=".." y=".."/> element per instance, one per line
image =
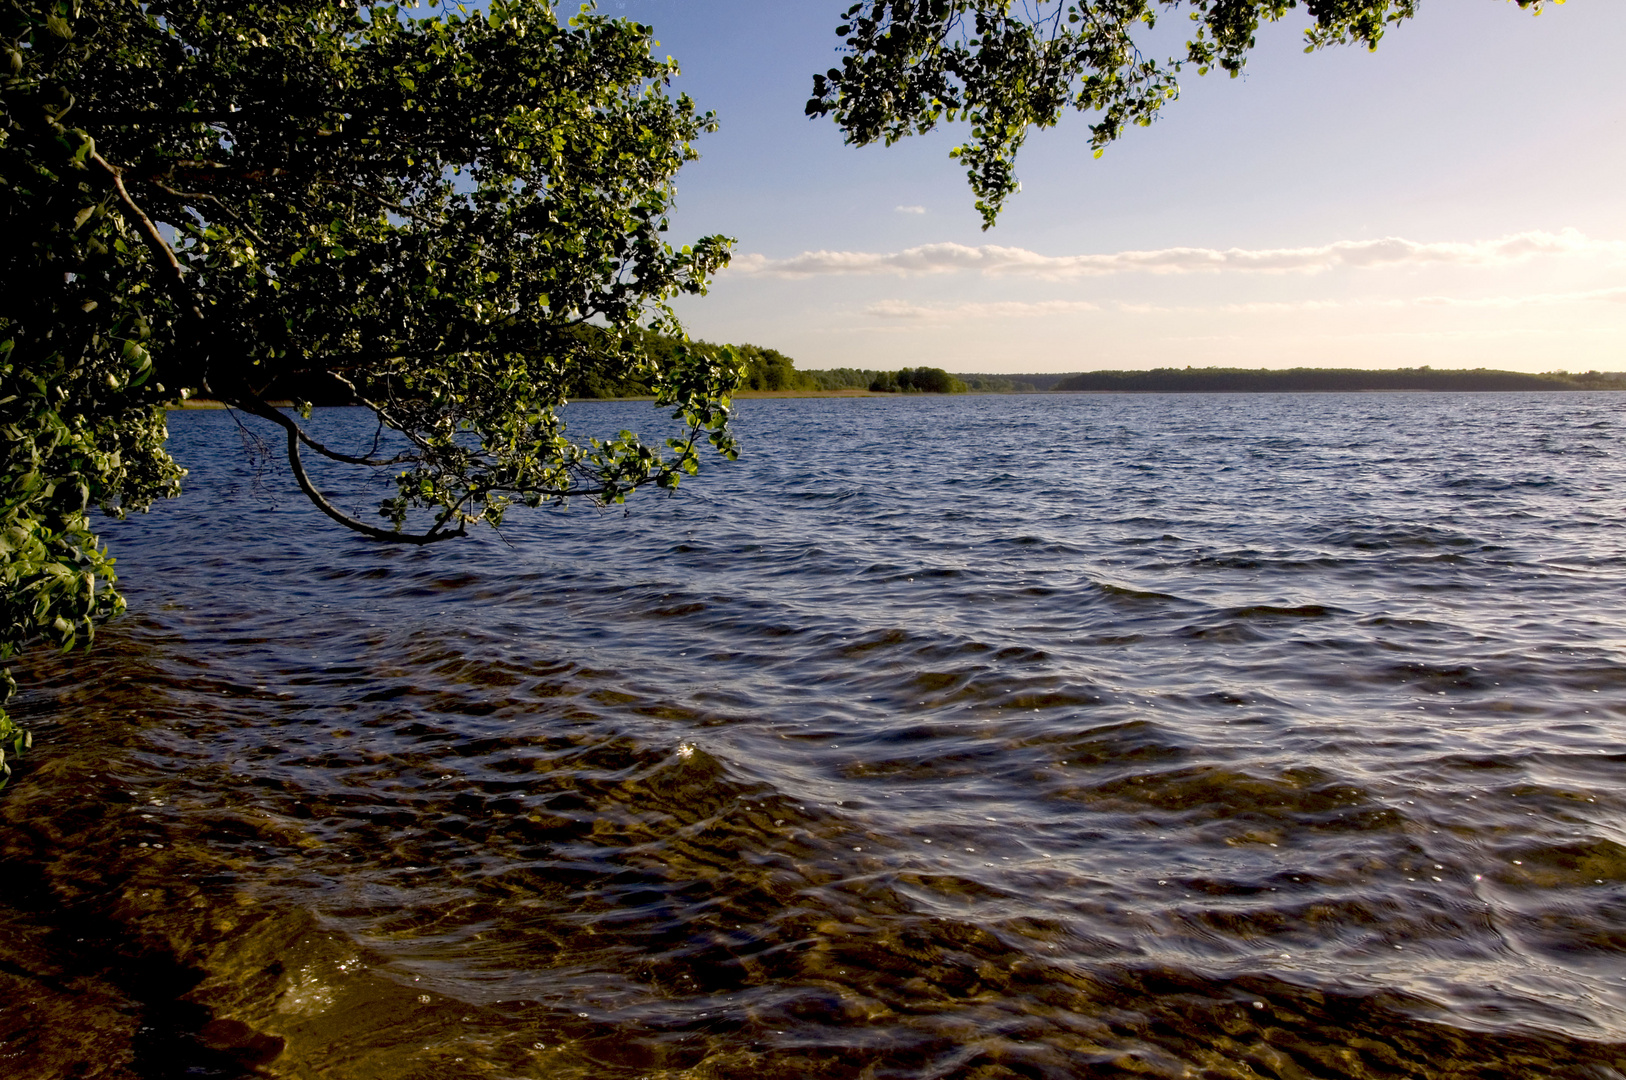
<point x="1331" y="380"/>
<point x="771" y="370"/>
<point x="880" y="381"/>
<point x="1012" y="384"/>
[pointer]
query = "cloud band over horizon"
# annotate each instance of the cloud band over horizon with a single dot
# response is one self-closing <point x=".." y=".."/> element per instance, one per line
<point x="995" y="261"/>
<point x="898" y="311"/>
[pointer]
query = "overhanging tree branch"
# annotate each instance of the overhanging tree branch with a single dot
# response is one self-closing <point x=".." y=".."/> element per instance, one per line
<point x="255" y="406"/>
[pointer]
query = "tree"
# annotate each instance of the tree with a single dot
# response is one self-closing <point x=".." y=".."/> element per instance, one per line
<point x="920" y="380"/>
<point x="455" y="219"/>
<point x="760" y="368"/>
<point x="1005" y="67"/>
<point x="452" y="217"/>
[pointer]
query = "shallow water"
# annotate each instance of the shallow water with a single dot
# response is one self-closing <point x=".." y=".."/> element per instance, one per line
<point x="1041" y="736"/>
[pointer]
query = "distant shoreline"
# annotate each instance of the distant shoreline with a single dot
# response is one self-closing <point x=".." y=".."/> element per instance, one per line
<point x="1194" y="381"/>
<point x="205" y="404"/>
<point x="752" y="394"/>
<point x="1335" y="381"/>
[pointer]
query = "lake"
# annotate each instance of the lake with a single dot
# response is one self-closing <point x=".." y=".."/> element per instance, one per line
<point x="1220" y="736"/>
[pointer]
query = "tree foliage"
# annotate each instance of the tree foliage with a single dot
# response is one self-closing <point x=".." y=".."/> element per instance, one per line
<point x="997" y="384"/>
<point x="842" y="378"/>
<point x="1005" y="67"/>
<point x="920" y="380"/>
<point x="760" y="368"/>
<point x="451" y="215"/>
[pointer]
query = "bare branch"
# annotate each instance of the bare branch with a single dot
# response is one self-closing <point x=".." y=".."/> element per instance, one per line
<point x="404" y="211"/>
<point x="176" y="277"/>
<point x="203" y="196"/>
<point x="348" y="459"/>
<point x="254" y="405"/>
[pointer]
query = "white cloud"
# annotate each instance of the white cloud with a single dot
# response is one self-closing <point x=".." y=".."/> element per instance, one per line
<point x="908" y="209"/>
<point x="1613" y="295"/>
<point x="1011" y="309"/>
<point x="994" y="261"/>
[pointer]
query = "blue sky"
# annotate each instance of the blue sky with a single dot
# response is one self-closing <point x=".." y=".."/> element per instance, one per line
<point x="1453" y="199"/>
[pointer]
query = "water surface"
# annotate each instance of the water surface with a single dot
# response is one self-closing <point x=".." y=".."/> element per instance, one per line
<point x="1038" y="736"/>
